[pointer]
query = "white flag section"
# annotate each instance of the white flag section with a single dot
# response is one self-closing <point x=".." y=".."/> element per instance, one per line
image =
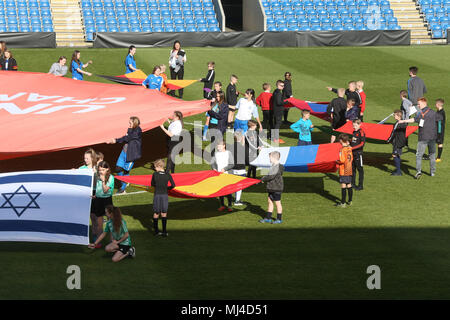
<point x="46" y="206"/>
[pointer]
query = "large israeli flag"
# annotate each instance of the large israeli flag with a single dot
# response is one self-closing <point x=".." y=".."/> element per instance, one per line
<point x="46" y="206"/>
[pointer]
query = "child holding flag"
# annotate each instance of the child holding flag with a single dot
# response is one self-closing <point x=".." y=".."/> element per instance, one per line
<point x="345" y="170"/>
<point x="121" y="241"/>
<point x="222" y="161"/>
<point x="303" y="127"/>
<point x="275" y="186"/>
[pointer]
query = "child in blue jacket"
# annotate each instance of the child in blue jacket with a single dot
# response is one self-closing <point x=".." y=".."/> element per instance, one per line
<point x="304" y="127"/>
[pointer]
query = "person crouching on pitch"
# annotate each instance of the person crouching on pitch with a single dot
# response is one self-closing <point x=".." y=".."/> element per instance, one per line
<point x="160" y="180"/>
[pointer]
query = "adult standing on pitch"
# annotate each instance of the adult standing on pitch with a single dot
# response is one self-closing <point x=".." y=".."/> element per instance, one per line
<point x="416" y="86"/>
<point x="76" y="66"/>
<point x="59" y="68"/>
<point x="427" y="120"/>
<point x="3" y="48"/>
<point x="287" y="93"/>
<point x="8" y="63"/>
<point x="130" y="62"/>
<point x="177" y="59"/>
<point x="278" y="109"/>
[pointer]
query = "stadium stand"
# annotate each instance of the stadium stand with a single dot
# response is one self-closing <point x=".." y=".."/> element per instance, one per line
<point x="436" y="14"/>
<point x="318" y="15"/>
<point x="25" y="16"/>
<point x="148" y="16"/>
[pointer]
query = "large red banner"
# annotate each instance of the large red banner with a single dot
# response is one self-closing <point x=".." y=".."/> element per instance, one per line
<point x="41" y="113"/>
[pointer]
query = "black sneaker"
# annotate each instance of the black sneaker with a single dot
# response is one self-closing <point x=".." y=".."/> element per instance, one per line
<point x="418" y="175"/>
<point x="157" y="233"/>
<point x="359" y="188"/>
<point x="395" y="173"/>
<point x="425" y="157"/>
<point x="132" y="252"/>
<point x="164" y="234"/>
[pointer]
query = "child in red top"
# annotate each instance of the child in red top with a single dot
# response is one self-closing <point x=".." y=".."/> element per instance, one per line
<point x="362" y="94"/>
<point x="345" y="170"/>
<point x="264" y="100"/>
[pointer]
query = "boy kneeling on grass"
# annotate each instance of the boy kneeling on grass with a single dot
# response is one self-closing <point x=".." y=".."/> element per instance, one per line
<point x="345" y="170"/>
<point x="275" y="187"/>
<point x="121" y="241"/>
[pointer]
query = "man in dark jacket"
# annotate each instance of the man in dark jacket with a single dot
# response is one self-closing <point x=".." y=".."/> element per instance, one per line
<point x="416" y="86"/>
<point x="427" y="120"/>
<point x="287" y="93"/>
<point x="278" y="109"/>
<point x="336" y="109"/>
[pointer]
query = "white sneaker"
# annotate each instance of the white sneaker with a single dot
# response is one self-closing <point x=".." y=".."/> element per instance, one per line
<point x="238" y="203"/>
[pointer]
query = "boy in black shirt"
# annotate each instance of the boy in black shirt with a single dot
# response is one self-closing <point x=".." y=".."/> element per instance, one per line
<point x="398" y="141"/>
<point x="357" y="144"/>
<point x="160" y="180"/>
<point x="278" y="109"/>
<point x="440" y="127"/>
<point x="231" y="97"/>
<point x="208" y="80"/>
<point x="351" y="93"/>
<point x="287" y="93"/>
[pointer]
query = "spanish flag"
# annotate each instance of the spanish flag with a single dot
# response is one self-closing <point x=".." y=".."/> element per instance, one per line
<point x="199" y="184"/>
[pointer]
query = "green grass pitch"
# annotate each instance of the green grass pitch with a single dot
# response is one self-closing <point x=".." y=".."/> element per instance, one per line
<point x="397" y="223"/>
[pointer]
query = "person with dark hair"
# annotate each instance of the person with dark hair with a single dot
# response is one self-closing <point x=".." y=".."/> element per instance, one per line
<point x="103" y="197"/>
<point x="121" y="241"/>
<point x="130" y="62"/>
<point x="154" y="81"/>
<point x="8" y="63"/>
<point x="160" y="181"/>
<point x="59" y="68"/>
<point x="131" y="151"/>
<point x="287" y="93"/>
<point x="357" y="144"/>
<point x="427" y="120"/>
<point x="209" y="79"/>
<point x="76" y="66"/>
<point x="219" y="112"/>
<point x="246" y="109"/>
<point x="212" y="96"/>
<point x="177" y="59"/>
<point x="440" y="127"/>
<point x="173" y="138"/>
<point x="278" y="104"/>
<point x="415" y="85"/>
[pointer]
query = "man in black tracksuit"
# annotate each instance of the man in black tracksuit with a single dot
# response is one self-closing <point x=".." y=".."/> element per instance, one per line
<point x="398" y="141"/>
<point x="287" y="93"/>
<point x="336" y="109"/>
<point x="278" y="109"/>
<point x="208" y="80"/>
<point x="357" y="144"/>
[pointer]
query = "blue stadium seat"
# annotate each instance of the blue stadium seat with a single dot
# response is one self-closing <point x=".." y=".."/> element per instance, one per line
<point x="158" y="29"/>
<point x="146" y="28"/>
<point x="180" y="29"/>
<point x="214" y="29"/>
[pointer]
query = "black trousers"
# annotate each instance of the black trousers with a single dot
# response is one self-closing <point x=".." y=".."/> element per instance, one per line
<point x="357" y="165"/>
<point x="173" y="76"/>
<point x="222" y="200"/>
<point x="278" y="117"/>
<point x="268" y="121"/>
<point x="251" y="172"/>
<point x="170" y="167"/>
<point x="285" y="114"/>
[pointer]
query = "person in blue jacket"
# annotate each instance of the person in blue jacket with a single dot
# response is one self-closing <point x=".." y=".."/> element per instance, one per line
<point x="76" y="66"/>
<point x="352" y="112"/>
<point x="154" y="81"/>
<point x="131" y="151"/>
<point x="130" y="62"/>
<point x="303" y="127"/>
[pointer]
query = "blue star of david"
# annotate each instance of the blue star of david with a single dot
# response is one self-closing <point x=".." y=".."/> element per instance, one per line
<point x="20" y="209"/>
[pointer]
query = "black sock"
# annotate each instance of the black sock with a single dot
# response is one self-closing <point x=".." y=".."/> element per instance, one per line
<point x="268" y="215"/>
<point x="279" y="216"/>
<point x="350" y="194"/>
<point x="397" y="162"/>
<point x="440" y="152"/>
<point x="155" y="224"/>
<point x="164" y="224"/>
<point x="344" y="194"/>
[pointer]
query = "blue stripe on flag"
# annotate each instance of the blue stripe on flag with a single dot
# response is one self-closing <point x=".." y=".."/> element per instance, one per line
<point x="299" y="157"/>
<point x="71" y="229"/>
<point x="80" y="180"/>
<point x="316" y="107"/>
